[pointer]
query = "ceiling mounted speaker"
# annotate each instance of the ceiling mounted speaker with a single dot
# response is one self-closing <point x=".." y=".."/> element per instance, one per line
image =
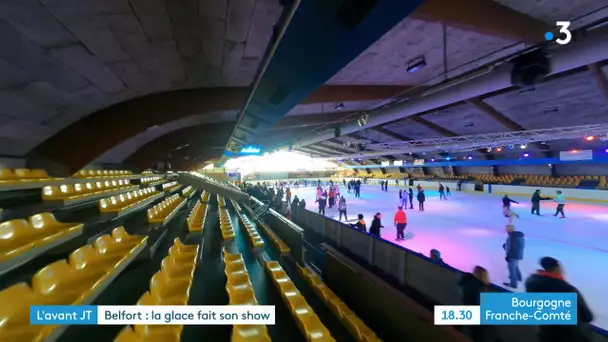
<point x="529" y="69"/>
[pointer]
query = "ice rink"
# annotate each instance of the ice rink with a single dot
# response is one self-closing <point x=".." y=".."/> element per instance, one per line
<point x="468" y="229"/>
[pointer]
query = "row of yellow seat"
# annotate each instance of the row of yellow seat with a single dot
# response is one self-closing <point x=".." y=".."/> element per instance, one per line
<point x="101" y="173"/>
<point x="221" y="202"/>
<point x="79" y="191"/>
<point x="20" y="236"/>
<point x="189" y="190"/>
<point x="205" y="196"/>
<point x="197" y="217"/>
<point x="226" y="225"/>
<point x="236" y="206"/>
<point x="307" y="320"/>
<point x="164" y="210"/>
<point x="169" y="286"/>
<point x="76" y="281"/>
<point x="115" y="204"/>
<point x="240" y="292"/>
<point x="351" y="321"/>
<point x="279" y="244"/>
<point x="171" y="186"/>
<point x="150" y="180"/>
<point x="253" y="235"/>
<point x="20" y="176"/>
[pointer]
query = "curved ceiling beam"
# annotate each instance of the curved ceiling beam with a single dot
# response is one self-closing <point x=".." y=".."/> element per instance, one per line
<point x="159" y="148"/>
<point x="164" y="144"/>
<point x="104" y="129"/>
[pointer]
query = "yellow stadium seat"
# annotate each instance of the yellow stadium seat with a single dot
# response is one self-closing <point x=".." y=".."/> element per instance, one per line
<point x="250" y="333"/>
<point x="47" y="225"/>
<point x="107" y="246"/>
<point x="129" y="335"/>
<point x="16" y="237"/>
<point x="120" y="235"/>
<point x="314" y="329"/>
<point x="64" y="284"/>
<point x="15" y="314"/>
<point x="164" y="287"/>
<point x="87" y="257"/>
<point x="175" y="268"/>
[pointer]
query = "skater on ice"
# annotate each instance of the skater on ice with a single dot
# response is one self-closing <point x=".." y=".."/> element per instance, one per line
<point x="560" y="205"/>
<point x="506" y="207"/>
<point x="536" y="198"/>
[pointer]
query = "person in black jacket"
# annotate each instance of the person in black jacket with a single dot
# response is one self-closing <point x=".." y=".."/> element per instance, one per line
<point x="421" y="198"/>
<point x="360" y="225"/>
<point x="374" y="229"/>
<point x="473" y="285"/>
<point x="536" y="198"/>
<point x="506" y="207"/>
<point x="514" y="249"/>
<point x="410" y="194"/>
<point x="322" y="203"/>
<point x="551" y="279"/>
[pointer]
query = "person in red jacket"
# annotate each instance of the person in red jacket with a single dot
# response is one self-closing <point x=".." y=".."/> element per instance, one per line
<point x="400" y="223"/>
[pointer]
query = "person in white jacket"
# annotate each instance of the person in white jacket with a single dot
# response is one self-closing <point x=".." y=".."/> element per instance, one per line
<point x="560" y="204"/>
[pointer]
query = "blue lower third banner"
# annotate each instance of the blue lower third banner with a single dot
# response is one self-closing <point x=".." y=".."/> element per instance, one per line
<point x="152" y="315"/>
<point x="63" y="314"/>
<point x="528" y="309"/>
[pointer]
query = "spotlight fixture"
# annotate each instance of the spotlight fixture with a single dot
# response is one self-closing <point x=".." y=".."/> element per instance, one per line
<point x="469" y="157"/>
<point x="433" y="159"/>
<point x="362" y="121"/>
<point x="416" y="64"/>
<point x="574" y="151"/>
<point x="511" y="147"/>
<point x="489" y="149"/>
<point x="606" y="150"/>
<point x="523" y="146"/>
<point x="498" y="149"/>
<point x="526" y="155"/>
<point x="590" y="138"/>
<point x="449" y="158"/>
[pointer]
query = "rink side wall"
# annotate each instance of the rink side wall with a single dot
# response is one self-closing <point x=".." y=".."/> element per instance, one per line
<point x="583" y="195"/>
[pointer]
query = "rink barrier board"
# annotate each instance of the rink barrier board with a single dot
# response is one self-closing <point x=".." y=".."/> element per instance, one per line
<point x="437" y="282"/>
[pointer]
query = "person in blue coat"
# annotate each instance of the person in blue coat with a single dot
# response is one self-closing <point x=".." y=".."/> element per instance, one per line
<point x="514" y="249"/>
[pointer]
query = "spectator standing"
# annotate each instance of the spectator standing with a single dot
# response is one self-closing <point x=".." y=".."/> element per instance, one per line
<point x="514" y="249"/>
<point x="421" y="198"/>
<point x="551" y="279"/>
<point x="342" y="208"/>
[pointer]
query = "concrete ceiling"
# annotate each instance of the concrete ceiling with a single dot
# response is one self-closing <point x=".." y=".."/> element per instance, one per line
<point x="117" y="75"/>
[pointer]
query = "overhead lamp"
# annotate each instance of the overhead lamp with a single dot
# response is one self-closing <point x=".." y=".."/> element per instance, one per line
<point x="416" y="64"/>
<point x="523" y="146"/>
<point x="590" y="138"/>
<point x="469" y="157"/>
<point x="362" y="121"/>
<point x="498" y="149"/>
<point x="526" y="155"/>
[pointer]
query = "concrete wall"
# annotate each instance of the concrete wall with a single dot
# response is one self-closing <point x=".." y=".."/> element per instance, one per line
<point x="525" y="170"/>
<point x="12" y="163"/>
<point x="582" y="170"/>
<point x="437" y="171"/>
<point x="474" y="169"/>
<point x="569" y="194"/>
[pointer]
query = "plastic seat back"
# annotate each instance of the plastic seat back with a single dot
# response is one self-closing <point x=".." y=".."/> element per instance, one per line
<point x="51" y="192"/>
<point x="80" y="189"/>
<point x="50" y="278"/>
<point x="67" y="190"/>
<point x="39" y="173"/>
<point x="43" y="220"/>
<point x="15" y="308"/>
<point x="90" y="187"/>
<point x="119" y="234"/>
<point x="84" y="257"/>
<point x="14" y="231"/>
<point x="23" y="173"/>
<point x="105" y="244"/>
<point x="7" y="174"/>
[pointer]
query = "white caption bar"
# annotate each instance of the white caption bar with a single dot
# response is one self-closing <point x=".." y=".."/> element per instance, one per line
<point x="186" y="315"/>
